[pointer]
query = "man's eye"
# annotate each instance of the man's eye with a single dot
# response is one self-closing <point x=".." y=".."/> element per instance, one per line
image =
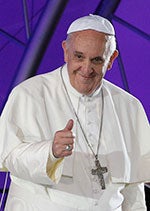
<point x="98" y="60"/>
<point x="79" y="56"/>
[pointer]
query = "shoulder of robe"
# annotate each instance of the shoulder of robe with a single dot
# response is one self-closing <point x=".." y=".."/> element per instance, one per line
<point x="37" y="85"/>
<point x="119" y="94"/>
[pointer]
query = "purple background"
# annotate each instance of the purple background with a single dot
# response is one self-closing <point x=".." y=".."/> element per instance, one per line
<point x="134" y="48"/>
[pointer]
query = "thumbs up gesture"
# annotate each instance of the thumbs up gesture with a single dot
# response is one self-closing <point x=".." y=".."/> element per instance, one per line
<point x="63" y="141"/>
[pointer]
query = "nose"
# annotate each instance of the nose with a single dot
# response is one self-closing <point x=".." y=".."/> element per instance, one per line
<point x="87" y="68"/>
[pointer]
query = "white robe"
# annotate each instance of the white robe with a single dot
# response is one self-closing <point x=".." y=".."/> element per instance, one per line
<point x="39" y="107"/>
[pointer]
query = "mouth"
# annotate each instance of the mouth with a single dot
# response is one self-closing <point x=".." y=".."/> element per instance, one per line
<point x="87" y="76"/>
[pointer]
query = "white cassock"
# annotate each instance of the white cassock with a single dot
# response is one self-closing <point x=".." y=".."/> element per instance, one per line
<point x="39" y="107"/>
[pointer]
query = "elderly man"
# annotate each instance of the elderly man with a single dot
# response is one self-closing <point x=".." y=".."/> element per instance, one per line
<point x="72" y="140"/>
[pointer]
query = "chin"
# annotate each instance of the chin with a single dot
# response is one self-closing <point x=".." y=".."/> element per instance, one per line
<point x="85" y="91"/>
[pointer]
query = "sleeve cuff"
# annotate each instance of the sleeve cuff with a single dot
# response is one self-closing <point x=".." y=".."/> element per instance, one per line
<point x="54" y="166"/>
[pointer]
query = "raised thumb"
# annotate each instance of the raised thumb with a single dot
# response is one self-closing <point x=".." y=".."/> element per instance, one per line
<point x="69" y="125"/>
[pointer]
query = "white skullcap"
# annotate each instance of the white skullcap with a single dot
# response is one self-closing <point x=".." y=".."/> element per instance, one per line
<point x="94" y="22"/>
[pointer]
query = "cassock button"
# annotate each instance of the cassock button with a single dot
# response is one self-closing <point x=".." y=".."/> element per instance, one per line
<point x="89" y="110"/>
<point x="95" y="191"/>
<point x="95" y="203"/>
<point x="89" y="123"/>
<point x="88" y="99"/>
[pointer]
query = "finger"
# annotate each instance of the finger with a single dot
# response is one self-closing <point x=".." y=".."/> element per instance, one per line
<point x="68" y="147"/>
<point x="69" y="125"/>
<point x="66" y="153"/>
<point x="63" y="136"/>
<point x="60" y="151"/>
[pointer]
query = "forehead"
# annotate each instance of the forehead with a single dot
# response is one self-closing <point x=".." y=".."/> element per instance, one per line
<point x="88" y="40"/>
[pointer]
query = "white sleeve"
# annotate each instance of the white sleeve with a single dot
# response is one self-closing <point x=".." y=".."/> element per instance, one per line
<point x="30" y="161"/>
<point x="26" y="140"/>
<point x="134" y="197"/>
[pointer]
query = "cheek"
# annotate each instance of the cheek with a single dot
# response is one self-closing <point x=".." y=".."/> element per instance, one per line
<point x="99" y="70"/>
<point x="73" y="65"/>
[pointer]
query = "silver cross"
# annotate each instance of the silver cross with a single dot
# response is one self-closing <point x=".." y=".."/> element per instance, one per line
<point x="99" y="171"/>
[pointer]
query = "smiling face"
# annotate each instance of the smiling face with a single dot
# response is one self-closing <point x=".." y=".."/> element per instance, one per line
<point x="85" y="58"/>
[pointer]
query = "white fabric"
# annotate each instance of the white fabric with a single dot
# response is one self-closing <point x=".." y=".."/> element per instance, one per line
<point x="39" y="107"/>
<point x="94" y="22"/>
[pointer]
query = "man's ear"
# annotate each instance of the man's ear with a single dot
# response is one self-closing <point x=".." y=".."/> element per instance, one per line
<point x="65" y="50"/>
<point x="112" y="59"/>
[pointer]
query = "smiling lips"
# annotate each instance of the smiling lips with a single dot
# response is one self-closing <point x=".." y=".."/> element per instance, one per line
<point x="87" y="76"/>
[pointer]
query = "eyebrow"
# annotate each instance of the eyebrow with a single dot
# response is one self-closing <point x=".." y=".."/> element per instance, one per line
<point x="78" y="52"/>
<point x="97" y="57"/>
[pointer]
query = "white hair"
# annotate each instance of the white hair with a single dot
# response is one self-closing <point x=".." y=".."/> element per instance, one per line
<point x="110" y="48"/>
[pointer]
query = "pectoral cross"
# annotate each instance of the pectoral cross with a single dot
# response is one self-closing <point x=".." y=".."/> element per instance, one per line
<point x="99" y="171"/>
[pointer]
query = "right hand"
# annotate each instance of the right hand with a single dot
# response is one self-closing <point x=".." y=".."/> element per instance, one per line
<point x="63" y="138"/>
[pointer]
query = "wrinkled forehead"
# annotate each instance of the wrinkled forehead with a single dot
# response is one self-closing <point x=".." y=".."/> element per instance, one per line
<point x="88" y="42"/>
<point x="88" y="37"/>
